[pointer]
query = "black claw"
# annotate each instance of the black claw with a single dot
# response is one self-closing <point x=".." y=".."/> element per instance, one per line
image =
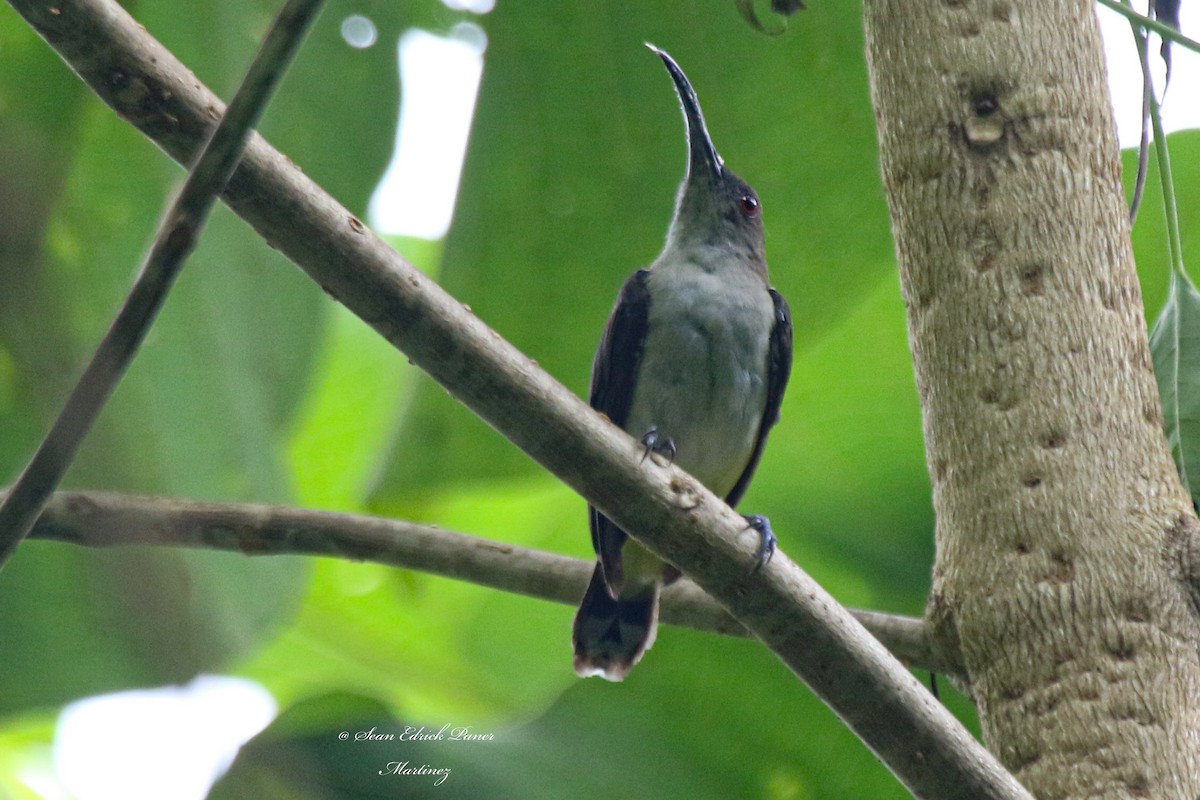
<point x="649" y="440"/>
<point x="653" y="444"/>
<point x="767" y="541"/>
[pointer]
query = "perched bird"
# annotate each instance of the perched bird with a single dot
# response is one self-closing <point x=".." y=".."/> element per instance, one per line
<point x="694" y="360"/>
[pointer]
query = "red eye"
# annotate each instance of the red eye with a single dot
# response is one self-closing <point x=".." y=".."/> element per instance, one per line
<point x="749" y="204"/>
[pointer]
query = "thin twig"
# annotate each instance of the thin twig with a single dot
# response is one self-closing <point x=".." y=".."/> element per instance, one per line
<point x="1162" y="29"/>
<point x="1141" y="38"/>
<point x="660" y="505"/>
<point x="1167" y="181"/>
<point x="1161" y="150"/>
<point x="109" y="519"/>
<point x="177" y="236"/>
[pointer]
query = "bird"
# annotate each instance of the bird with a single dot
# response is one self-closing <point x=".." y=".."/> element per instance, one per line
<point x="694" y="360"/>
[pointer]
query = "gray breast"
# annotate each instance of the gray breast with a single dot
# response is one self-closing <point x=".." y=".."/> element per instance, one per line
<point x="702" y="377"/>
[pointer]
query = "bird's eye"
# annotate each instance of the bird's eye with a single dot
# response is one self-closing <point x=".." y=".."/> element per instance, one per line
<point x="748" y="203"/>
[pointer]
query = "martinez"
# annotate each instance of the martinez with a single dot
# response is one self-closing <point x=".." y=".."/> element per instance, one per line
<point x="402" y="768"/>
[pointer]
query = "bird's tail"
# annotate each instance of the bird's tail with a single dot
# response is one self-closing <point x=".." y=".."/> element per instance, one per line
<point x="610" y="634"/>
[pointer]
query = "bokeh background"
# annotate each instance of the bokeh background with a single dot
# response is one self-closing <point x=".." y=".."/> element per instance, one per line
<point x="255" y="386"/>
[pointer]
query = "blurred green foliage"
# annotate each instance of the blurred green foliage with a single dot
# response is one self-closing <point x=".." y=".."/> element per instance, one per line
<point x="253" y="386"/>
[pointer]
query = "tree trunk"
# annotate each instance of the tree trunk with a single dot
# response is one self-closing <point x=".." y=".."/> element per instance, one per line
<point x="1061" y="522"/>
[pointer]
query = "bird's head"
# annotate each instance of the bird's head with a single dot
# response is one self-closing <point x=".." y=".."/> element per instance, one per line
<point x="715" y="210"/>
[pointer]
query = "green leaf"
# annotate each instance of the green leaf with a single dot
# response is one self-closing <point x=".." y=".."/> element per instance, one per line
<point x="335" y="455"/>
<point x="843" y="478"/>
<point x="784" y="8"/>
<point x="417" y="640"/>
<point x="1173" y="343"/>
<point x="41" y="106"/>
<point x="1175" y="348"/>
<point x="750" y="14"/>
<point x="1150" y="233"/>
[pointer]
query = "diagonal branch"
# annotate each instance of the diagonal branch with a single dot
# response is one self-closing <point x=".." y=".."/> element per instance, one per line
<point x="109" y="519"/>
<point x="676" y="517"/>
<point x="177" y="236"/>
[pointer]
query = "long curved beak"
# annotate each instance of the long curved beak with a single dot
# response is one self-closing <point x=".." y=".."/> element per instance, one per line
<point x="702" y="154"/>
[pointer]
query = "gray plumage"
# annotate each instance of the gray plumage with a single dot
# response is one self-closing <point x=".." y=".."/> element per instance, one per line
<point x="696" y="353"/>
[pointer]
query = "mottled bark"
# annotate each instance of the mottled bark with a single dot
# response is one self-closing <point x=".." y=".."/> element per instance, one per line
<point x="1060" y="518"/>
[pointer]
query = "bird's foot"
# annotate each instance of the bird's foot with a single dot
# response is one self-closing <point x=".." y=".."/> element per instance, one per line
<point x="654" y="443"/>
<point x="767" y="541"/>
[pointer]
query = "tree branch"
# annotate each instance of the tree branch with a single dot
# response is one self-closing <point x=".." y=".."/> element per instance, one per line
<point x="676" y="517"/>
<point x="109" y="519"/>
<point x="176" y="238"/>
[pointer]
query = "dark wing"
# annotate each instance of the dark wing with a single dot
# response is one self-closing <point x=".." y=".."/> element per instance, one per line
<point x="779" y="367"/>
<point x="614" y="372"/>
<point x="615" y="366"/>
